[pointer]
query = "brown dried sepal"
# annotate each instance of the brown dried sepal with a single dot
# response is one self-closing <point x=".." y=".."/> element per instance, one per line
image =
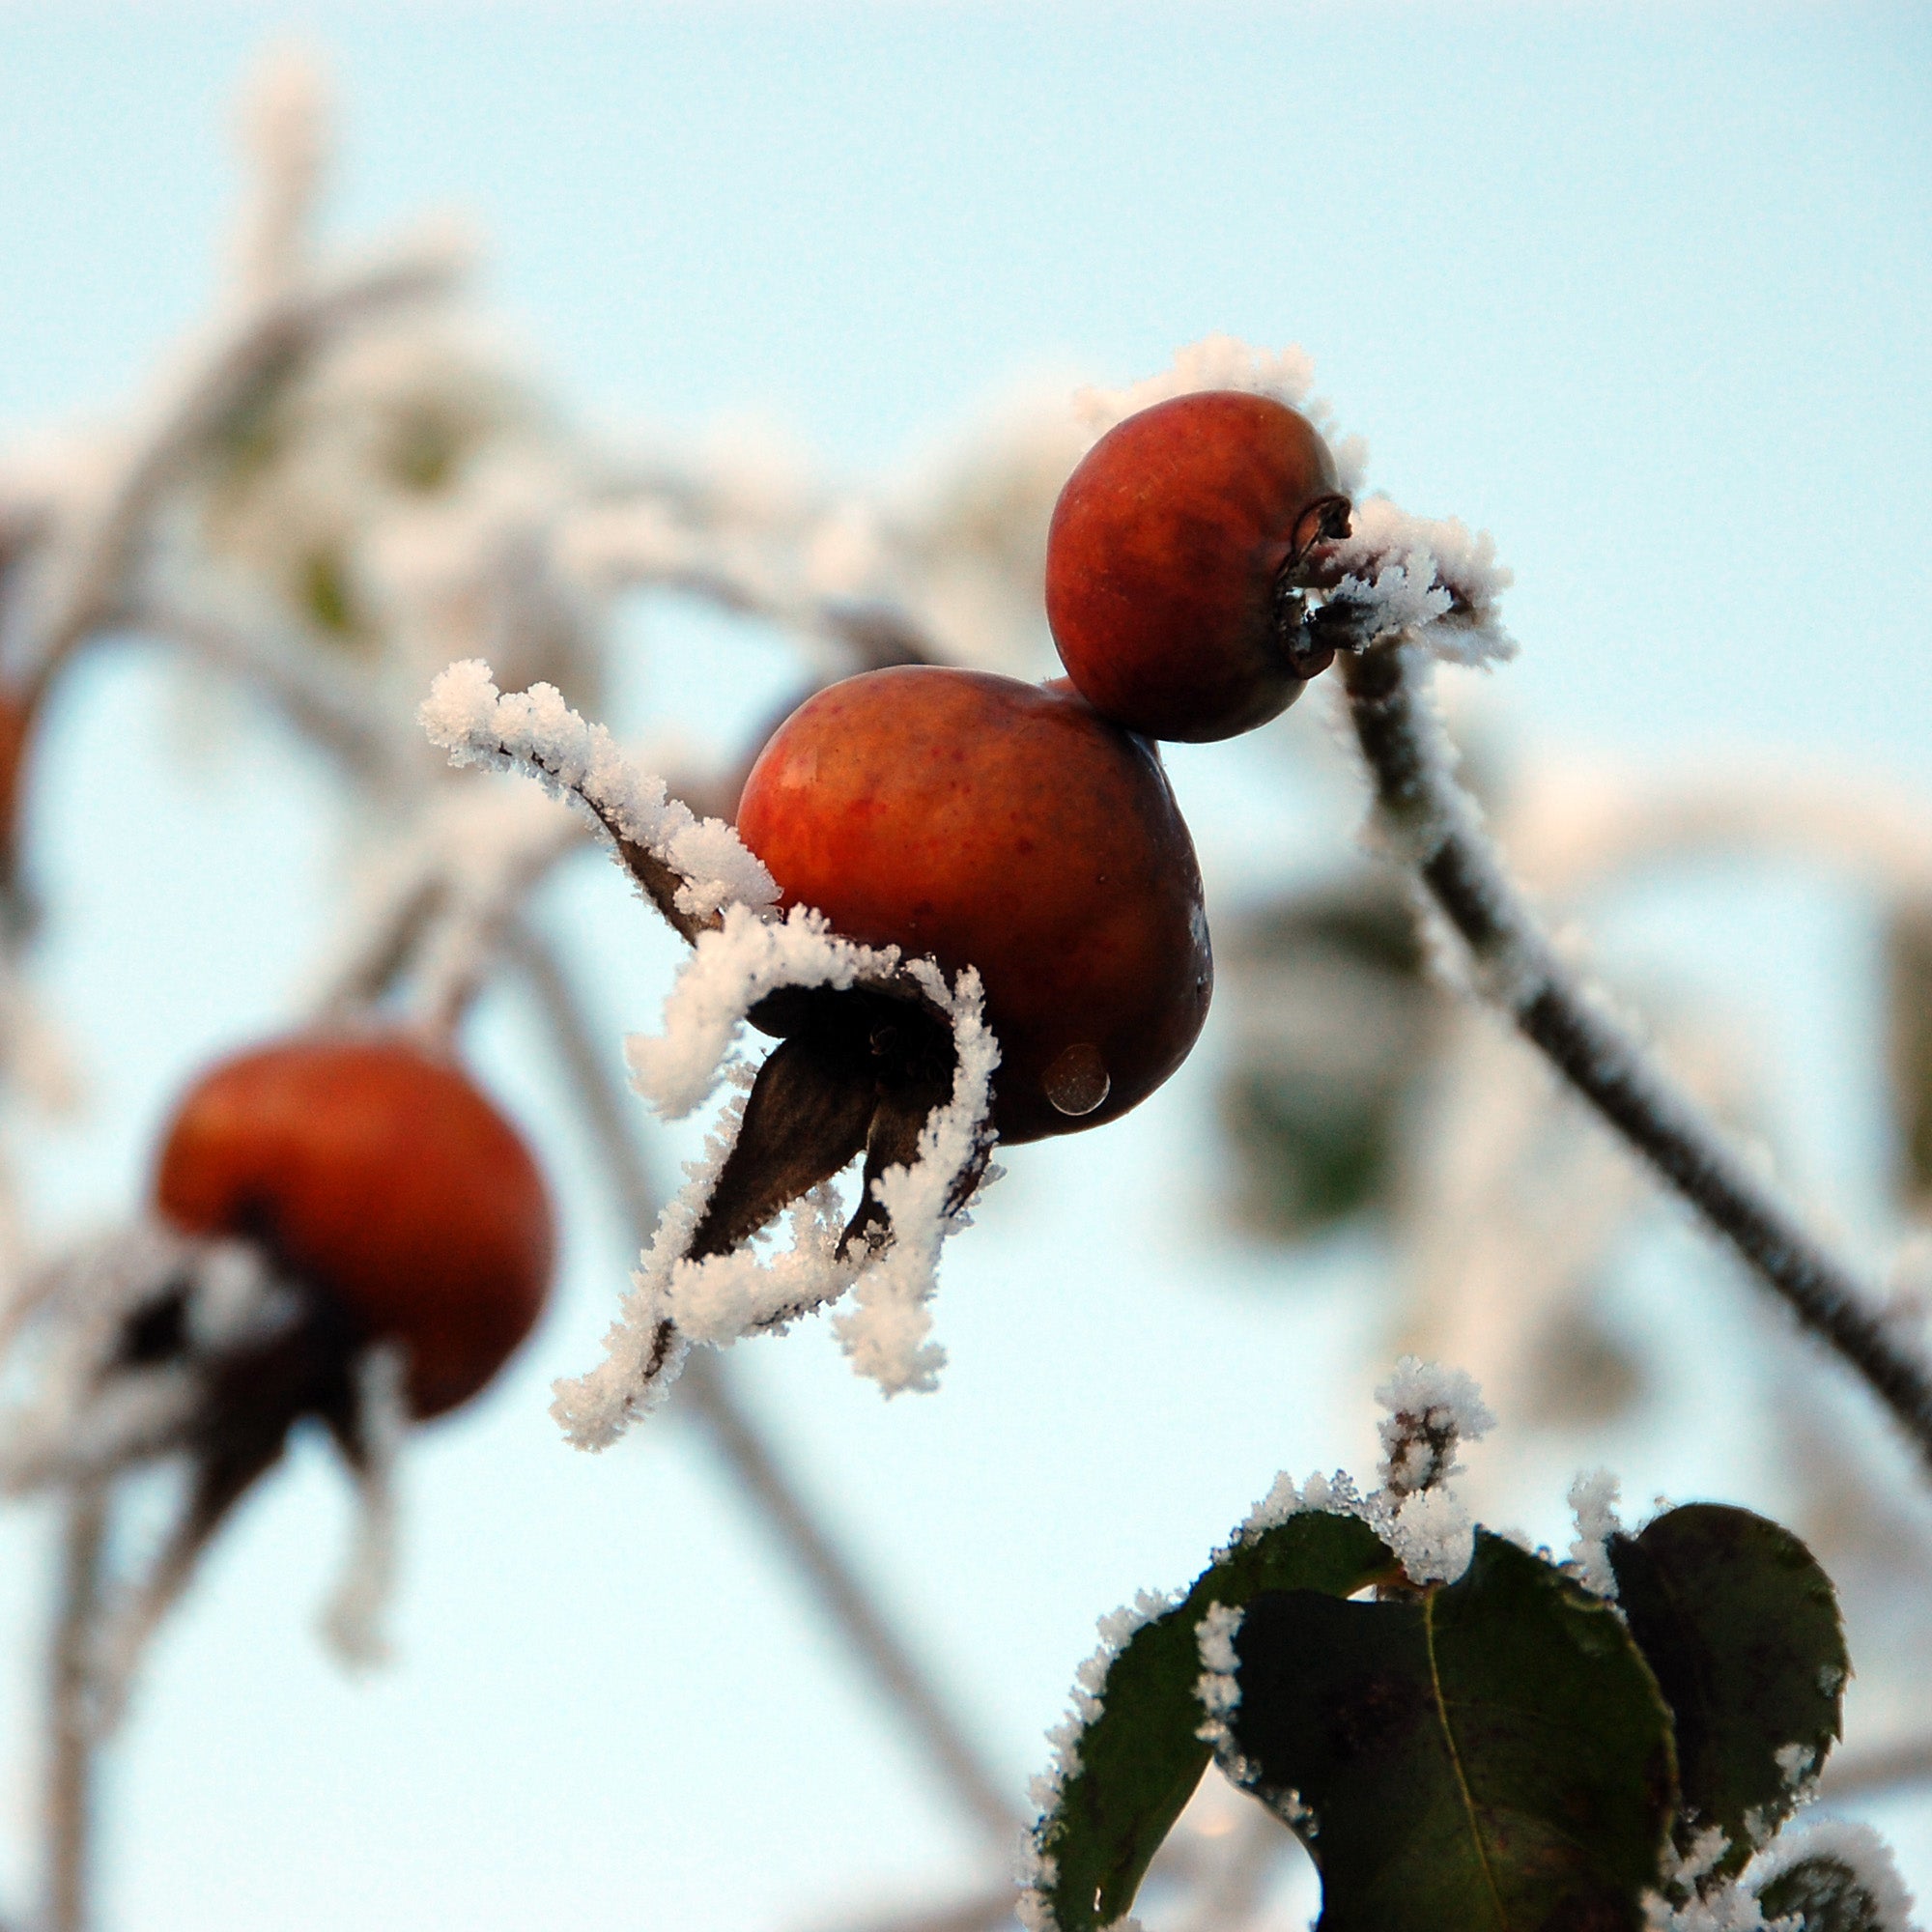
<point x="856" y="1071"/>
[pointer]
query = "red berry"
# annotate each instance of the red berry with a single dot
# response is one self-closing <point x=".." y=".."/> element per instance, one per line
<point x="1173" y="559"/>
<point x="1010" y="827"/>
<point x="382" y="1178"/>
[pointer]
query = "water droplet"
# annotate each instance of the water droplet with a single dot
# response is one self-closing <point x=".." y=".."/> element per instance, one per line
<point x="1077" y="1081"/>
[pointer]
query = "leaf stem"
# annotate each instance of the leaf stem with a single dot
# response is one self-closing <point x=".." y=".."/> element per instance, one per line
<point x="1434" y="828"/>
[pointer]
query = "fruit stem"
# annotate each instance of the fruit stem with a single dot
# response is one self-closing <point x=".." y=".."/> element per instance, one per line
<point x="1434" y="826"/>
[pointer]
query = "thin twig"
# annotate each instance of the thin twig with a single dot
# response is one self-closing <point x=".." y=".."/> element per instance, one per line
<point x="70" y="1726"/>
<point x="1434" y="828"/>
<point x="752" y="1458"/>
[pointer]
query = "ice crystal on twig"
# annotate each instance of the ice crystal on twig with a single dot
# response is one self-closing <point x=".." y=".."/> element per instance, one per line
<point x="692" y="869"/>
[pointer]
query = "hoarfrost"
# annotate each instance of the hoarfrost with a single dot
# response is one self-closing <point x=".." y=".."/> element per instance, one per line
<point x="1433" y="1536"/>
<point x="1593" y="1499"/>
<point x="1217" y="361"/>
<point x="1218" y="1688"/>
<point x="536" y="732"/>
<point x="92" y="1412"/>
<point x="884" y="1334"/>
<point x="729" y="972"/>
<point x="352" y="1620"/>
<point x="1036" y="1870"/>
<point x="1424" y="577"/>
<point x="675" y="1302"/>
<point x="1858" y="1849"/>
<point x="1432" y="1410"/>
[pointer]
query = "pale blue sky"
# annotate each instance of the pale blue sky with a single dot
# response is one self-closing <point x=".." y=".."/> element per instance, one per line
<point x="1646" y="291"/>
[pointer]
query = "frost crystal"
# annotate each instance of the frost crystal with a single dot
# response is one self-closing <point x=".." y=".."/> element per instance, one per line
<point x="675" y="1302"/>
<point x="1036" y="1870"/>
<point x="1218" y="1688"/>
<point x="729" y="972"/>
<point x="351" y="1621"/>
<point x="1432" y="1410"/>
<point x="1858" y="1849"/>
<point x="1424" y="577"/>
<point x="1214" y="362"/>
<point x="537" y="733"/>
<point x="1593" y="1499"/>
<point x="94" y="1413"/>
<point x="1431" y="1535"/>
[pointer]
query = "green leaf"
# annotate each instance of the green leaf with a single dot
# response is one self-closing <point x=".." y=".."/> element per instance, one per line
<point x="1742" y="1628"/>
<point x="1825" y="1895"/>
<point x="1491" y="1755"/>
<point x="1139" y="1759"/>
<point x="1312" y="1151"/>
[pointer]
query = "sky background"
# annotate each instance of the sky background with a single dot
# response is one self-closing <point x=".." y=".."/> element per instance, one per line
<point x="1647" y="291"/>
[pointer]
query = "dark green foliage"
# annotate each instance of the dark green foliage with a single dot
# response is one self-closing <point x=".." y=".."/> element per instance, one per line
<point x="1826" y="1895"/>
<point x="1140" y="1759"/>
<point x="1909" y="977"/>
<point x="1742" y="1628"/>
<point x="1329" y="994"/>
<point x="1490" y="1756"/>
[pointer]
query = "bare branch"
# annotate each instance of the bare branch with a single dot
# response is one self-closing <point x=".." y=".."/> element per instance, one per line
<point x="1434" y="827"/>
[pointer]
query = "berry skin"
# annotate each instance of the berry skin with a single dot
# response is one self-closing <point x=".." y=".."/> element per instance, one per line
<point x="1010" y="827"/>
<point x="1173" y="559"/>
<point x="382" y="1177"/>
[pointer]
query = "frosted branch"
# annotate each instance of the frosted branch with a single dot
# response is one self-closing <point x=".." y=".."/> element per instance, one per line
<point x="690" y="868"/>
<point x="285" y="141"/>
<point x="352" y="1620"/>
<point x="240" y="357"/>
<point x="1430" y="823"/>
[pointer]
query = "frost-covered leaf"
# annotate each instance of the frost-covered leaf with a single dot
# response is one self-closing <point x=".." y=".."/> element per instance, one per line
<point x="1489" y="1756"/>
<point x="1135" y="1763"/>
<point x="1742" y="1628"/>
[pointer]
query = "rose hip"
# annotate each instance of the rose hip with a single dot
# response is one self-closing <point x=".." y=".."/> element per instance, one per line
<point x="382" y="1178"/>
<point x="1175" y="561"/>
<point x="1010" y="827"/>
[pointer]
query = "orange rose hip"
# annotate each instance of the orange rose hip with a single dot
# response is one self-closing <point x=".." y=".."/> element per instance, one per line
<point x="1010" y="827"/>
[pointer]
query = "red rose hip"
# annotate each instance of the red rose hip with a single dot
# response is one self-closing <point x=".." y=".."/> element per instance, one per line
<point x="1173" y="560"/>
<point x="382" y="1176"/>
<point x="1010" y="827"/>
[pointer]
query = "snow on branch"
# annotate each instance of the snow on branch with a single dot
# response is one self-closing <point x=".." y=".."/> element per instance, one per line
<point x="1419" y="576"/>
<point x="675" y="1299"/>
<point x="1433" y="826"/>
<point x="213" y="380"/>
<point x="690" y="868"/>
